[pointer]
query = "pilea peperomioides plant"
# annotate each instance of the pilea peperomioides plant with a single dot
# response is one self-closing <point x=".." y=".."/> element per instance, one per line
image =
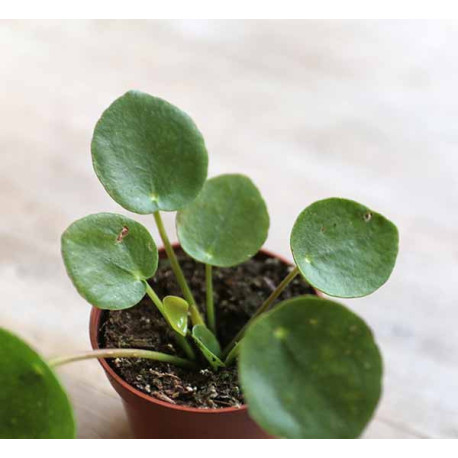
<point x="308" y="366"/>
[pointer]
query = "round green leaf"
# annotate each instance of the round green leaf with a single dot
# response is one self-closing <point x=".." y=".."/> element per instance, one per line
<point x="343" y="248"/>
<point x="33" y="404"/>
<point x="208" y="345"/>
<point x="227" y="223"/>
<point x="310" y="369"/>
<point x="148" y="154"/>
<point x="176" y="311"/>
<point x="108" y="258"/>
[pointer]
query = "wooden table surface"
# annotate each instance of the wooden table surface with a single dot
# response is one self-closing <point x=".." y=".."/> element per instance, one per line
<point x="364" y="110"/>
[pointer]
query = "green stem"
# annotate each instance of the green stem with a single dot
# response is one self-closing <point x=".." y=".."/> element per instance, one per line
<point x="210" y="305"/>
<point x="196" y="317"/>
<point x="155" y="298"/>
<point x="232" y="354"/>
<point x="265" y="306"/>
<point x="121" y="353"/>
<point x="184" y="344"/>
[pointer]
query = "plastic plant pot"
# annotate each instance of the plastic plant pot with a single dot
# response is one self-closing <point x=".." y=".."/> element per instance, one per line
<point x="151" y="418"/>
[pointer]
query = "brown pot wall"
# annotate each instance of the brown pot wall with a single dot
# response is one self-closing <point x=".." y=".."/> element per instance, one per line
<point x="151" y="418"/>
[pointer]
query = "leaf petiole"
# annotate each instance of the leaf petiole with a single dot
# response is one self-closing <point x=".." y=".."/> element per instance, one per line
<point x="263" y="308"/>
<point x="122" y="353"/>
<point x="232" y="354"/>
<point x="210" y="304"/>
<point x="196" y="317"/>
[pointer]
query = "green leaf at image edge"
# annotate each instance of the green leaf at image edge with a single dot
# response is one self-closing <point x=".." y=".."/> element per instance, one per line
<point x="108" y="258"/>
<point x="148" y="154"/>
<point x="343" y="248"/>
<point x="226" y="224"/>
<point x="310" y="369"/>
<point x="33" y="404"/>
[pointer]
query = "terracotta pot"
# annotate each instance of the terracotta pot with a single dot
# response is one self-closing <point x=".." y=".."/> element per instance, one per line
<point x="151" y="418"/>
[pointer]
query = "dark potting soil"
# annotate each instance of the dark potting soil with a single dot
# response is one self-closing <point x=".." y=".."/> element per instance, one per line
<point x="238" y="292"/>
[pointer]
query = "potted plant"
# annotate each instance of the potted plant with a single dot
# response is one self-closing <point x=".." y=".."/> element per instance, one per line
<point x="210" y="351"/>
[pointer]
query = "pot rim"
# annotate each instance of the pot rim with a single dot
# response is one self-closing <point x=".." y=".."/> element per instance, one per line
<point x="94" y="333"/>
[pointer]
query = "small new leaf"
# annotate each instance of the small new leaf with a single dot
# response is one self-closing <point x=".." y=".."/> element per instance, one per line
<point x="310" y="369"/>
<point x="108" y="258"/>
<point x="343" y="248"/>
<point x="176" y="311"/>
<point x="208" y="344"/>
<point x="33" y="403"/>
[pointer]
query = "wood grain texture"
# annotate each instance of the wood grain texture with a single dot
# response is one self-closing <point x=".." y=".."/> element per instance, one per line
<point x="363" y="110"/>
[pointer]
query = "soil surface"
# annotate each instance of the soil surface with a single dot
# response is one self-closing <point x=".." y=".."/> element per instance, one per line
<point x="238" y="292"/>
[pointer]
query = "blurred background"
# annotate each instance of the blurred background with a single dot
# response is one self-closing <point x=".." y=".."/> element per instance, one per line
<point x="308" y="109"/>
